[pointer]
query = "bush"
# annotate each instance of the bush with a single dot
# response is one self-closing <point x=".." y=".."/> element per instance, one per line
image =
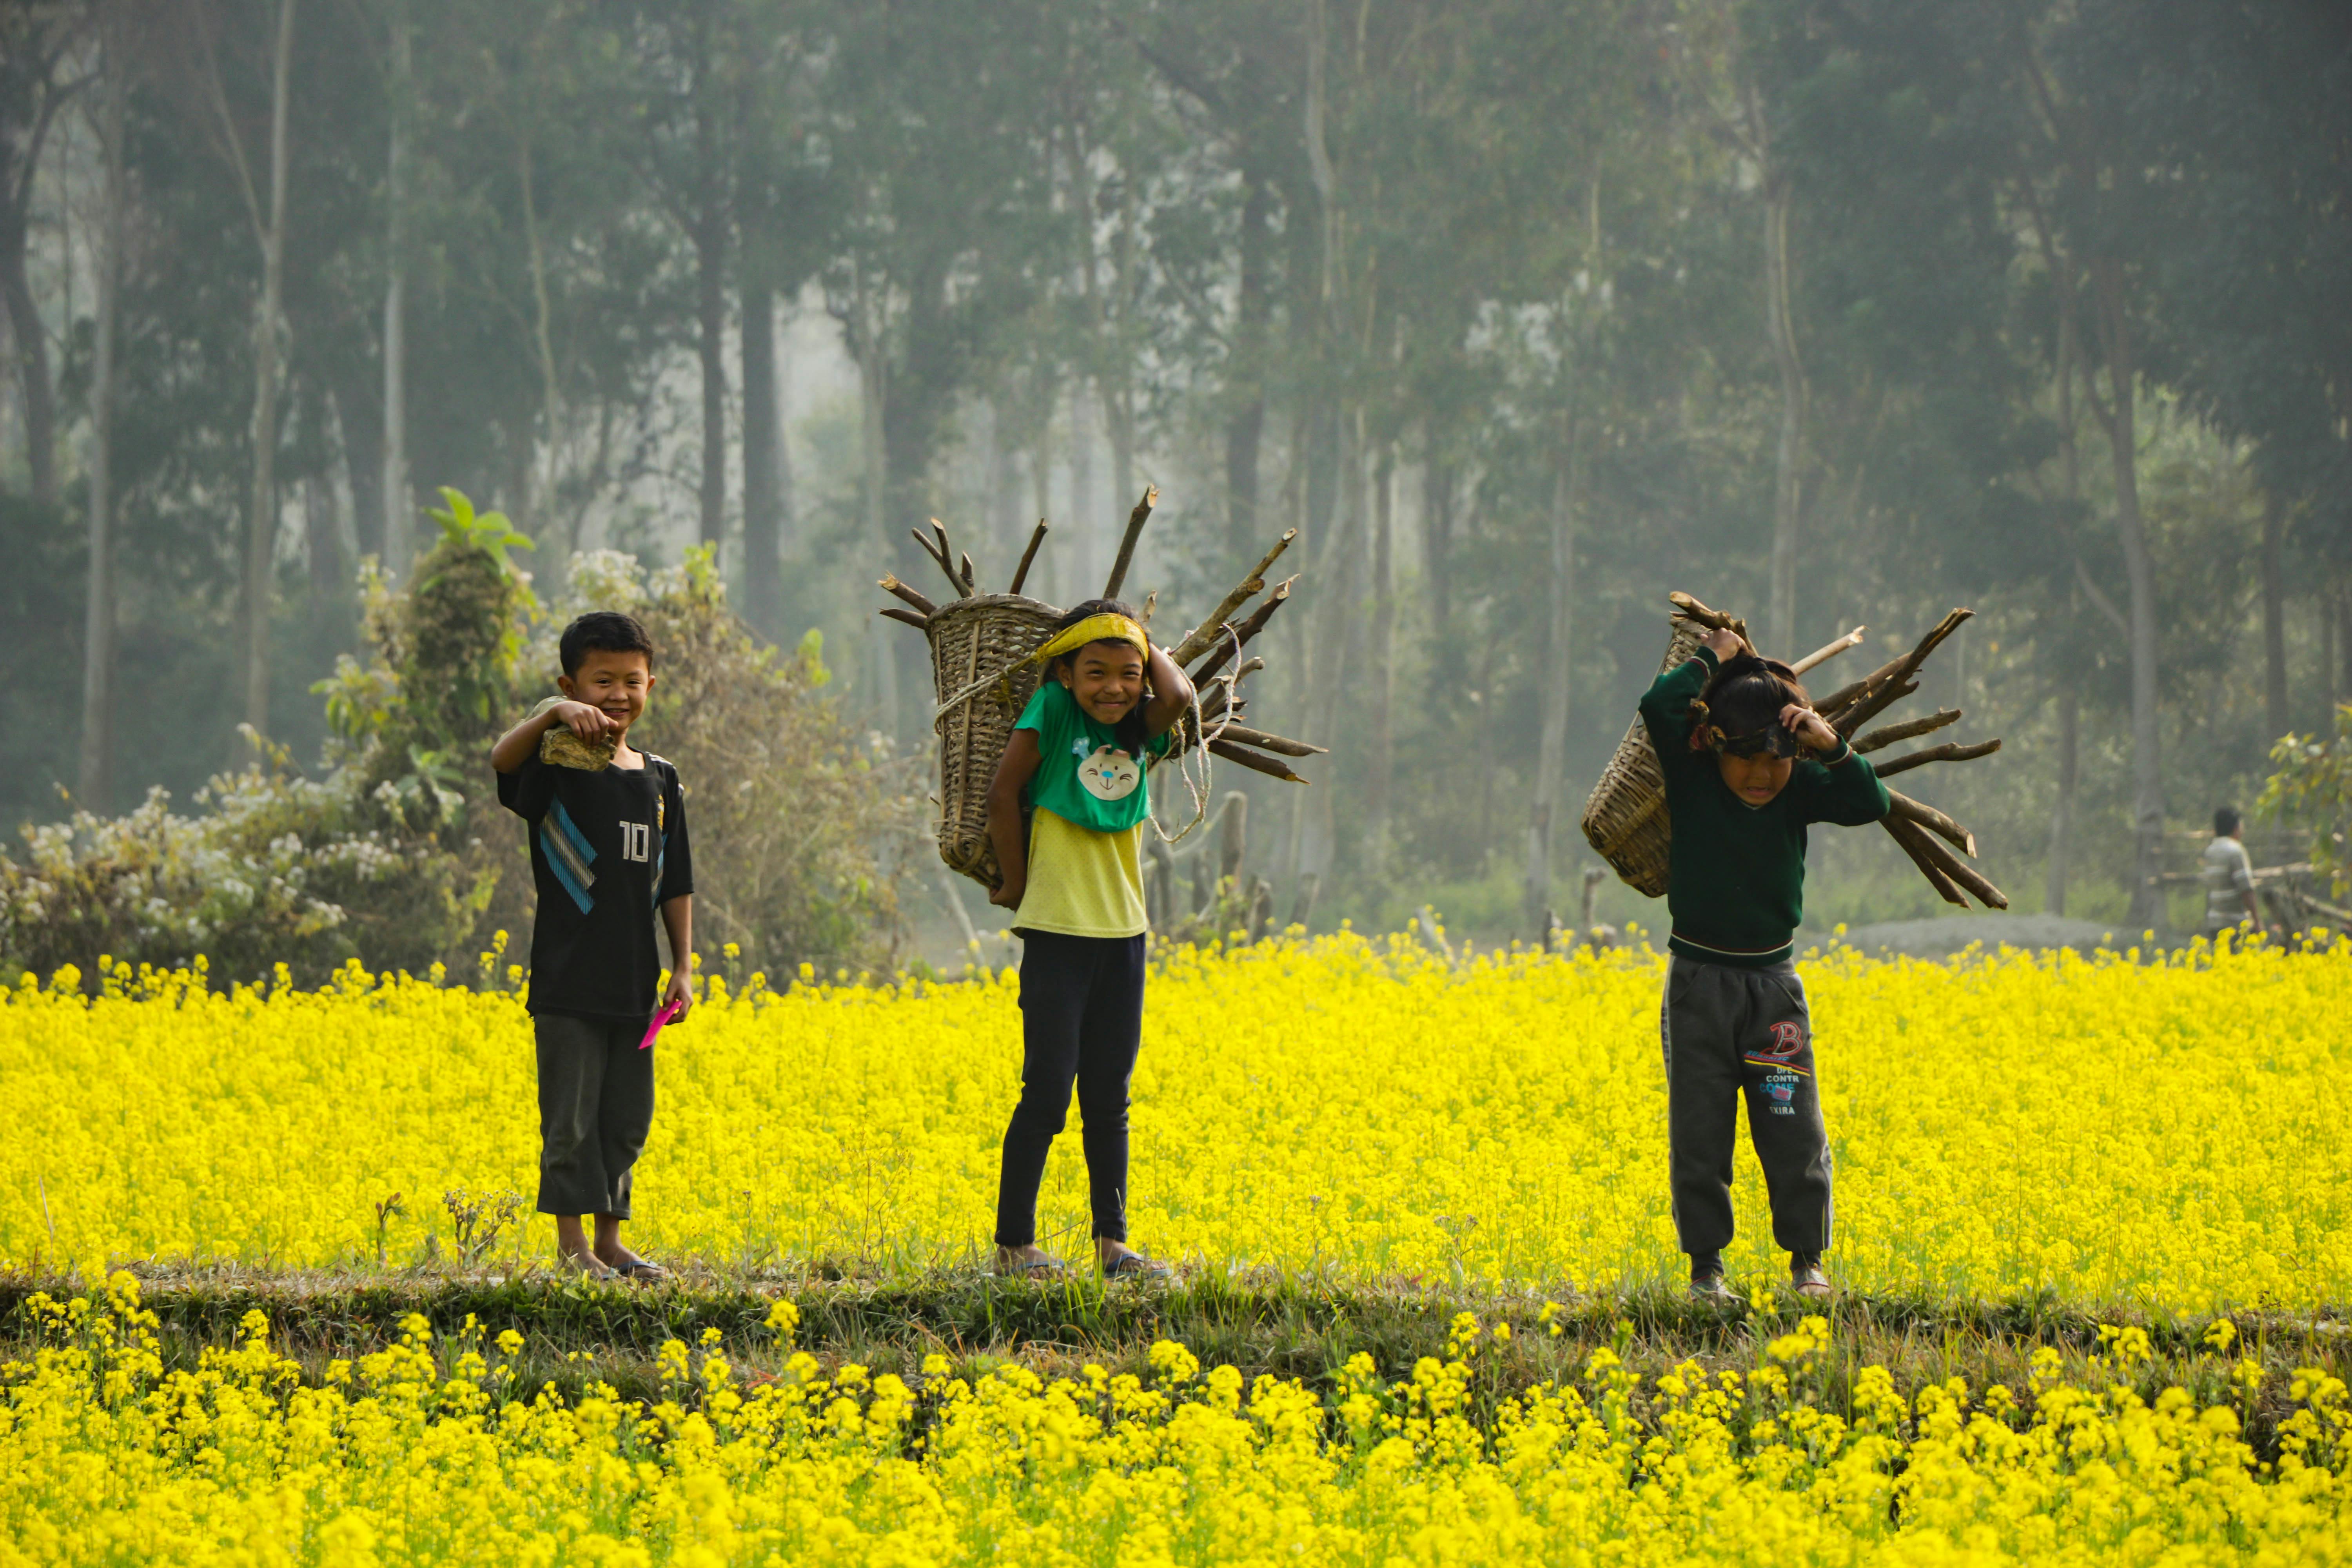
<point x="398" y="853"/>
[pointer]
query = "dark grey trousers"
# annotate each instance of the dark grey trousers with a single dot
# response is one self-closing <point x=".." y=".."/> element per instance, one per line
<point x="595" y="1105"/>
<point x="1727" y="1032"/>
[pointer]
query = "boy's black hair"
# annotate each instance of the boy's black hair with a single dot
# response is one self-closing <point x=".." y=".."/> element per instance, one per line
<point x="603" y="631"/>
<point x="2226" y="820"/>
<point x="1743" y="705"/>
<point x="1134" y="731"/>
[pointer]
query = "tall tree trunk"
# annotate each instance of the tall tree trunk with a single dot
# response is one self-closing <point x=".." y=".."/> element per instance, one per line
<point x="1437" y="544"/>
<point x="2061" y="807"/>
<point x="1789" y="450"/>
<point x="396" y="521"/>
<point x="1245" y="426"/>
<point x="543" y="519"/>
<point x="1383" y="694"/>
<point x="2117" y="415"/>
<point x="762" y="426"/>
<point x="32" y="346"/>
<point x="874" y="386"/>
<point x="710" y="289"/>
<point x="1085" y="506"/>
<point x="96" y="758"/>
<point x="2274" y="709"/>
<point x="1554" y="685"/>
<point x="2330" y="692"/>
<point x="261" y="521"/>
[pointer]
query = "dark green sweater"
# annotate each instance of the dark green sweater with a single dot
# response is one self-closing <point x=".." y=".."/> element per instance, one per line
<point x="1735" y="888"/>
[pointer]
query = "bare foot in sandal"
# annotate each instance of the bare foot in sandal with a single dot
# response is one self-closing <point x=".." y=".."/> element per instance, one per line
<point x="1030" y="1260"/>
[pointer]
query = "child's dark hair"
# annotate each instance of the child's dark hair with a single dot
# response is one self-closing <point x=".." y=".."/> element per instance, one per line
<point x="603" y="631"/>
<point x="1745" y="699"/>
<point x="2226" y="820"/>
<point x="1134" y="730"/>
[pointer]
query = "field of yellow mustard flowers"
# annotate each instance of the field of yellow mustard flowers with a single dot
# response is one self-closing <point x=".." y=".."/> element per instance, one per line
<point x="2163" y="1143"/>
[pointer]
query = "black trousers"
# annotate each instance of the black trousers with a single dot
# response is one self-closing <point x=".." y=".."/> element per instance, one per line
<point x="1729" y="1033"/>
<point x="595" y="1107"/>
<point x="1082" y="1020"/>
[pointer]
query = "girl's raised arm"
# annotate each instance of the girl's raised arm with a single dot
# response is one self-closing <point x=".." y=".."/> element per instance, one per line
<point x="1172" y="692"/>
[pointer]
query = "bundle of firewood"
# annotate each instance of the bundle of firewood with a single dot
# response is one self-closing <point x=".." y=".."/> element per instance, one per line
<point x="1625" y="819"/>
<point x="982" y="646"/>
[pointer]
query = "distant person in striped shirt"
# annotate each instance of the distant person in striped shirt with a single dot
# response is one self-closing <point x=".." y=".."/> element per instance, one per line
<point x="2228" y="877"/>
<point x="608" y="855"/>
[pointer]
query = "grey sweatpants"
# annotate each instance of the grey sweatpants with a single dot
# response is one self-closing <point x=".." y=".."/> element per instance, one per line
<point x="595" y="1105"/>
<point x="1727" y="1033"/>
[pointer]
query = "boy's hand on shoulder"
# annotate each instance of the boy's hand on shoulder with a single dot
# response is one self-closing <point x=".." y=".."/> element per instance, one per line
<point x="1722" y="644"/>
<point x="1811" y="727"/>
<point x="590" y="723"/>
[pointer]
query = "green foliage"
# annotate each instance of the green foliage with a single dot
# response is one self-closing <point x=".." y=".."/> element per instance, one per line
<point x="2313" y="787"/>
<point x="399" y="854"/>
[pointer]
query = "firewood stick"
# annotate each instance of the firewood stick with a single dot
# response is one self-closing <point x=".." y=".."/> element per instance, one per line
<point x="1135" y="522"/>
<point x="1266" y="743"/>
<point x="1828" y="651"/>
<point x="1934" y="821"/>
<point x="890" y="584"/>
<point x="1213" y="702"/>
<point x="1950" y="752"/>
<point x="939" y="556"/>
<point x="970" y="582"/>
<point x="1243" y="632"/>
<point x="1828" y="707"/>
<point x="1690" y="609"/>
<point x="1912" y="835"/>
<point x="1903" y="732"/>
<point x="1207" y="632"/>
<point x="896" y="614"/>
<point x="1922" y="850"/>
<point x="1880" y="695"/>
<point x="1253" y="762"/>
<point x="1021" y="573"/>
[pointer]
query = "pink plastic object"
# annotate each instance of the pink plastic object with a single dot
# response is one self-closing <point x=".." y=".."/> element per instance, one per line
<point x="666" y="1016"/>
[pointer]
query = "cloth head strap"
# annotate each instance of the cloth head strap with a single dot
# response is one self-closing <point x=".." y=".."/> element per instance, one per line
<point x="1105" y="627"/>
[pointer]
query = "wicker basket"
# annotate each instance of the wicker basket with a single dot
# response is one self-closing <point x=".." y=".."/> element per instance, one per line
<point x="1625" y="818"/>
<point x="980" y="652"/>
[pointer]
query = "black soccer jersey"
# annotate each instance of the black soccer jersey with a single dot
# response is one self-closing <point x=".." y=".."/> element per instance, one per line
<point x="607" y="850"/>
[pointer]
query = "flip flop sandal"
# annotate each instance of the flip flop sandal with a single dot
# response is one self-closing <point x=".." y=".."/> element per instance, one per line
<point x="643" y="1272"/>
<point x="1134" y="1266"/>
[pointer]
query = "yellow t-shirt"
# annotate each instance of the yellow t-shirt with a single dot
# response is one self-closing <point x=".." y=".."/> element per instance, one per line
<point x="1081" y="882"/>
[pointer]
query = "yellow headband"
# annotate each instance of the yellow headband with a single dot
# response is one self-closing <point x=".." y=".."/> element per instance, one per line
<point x="1104" y="627"/>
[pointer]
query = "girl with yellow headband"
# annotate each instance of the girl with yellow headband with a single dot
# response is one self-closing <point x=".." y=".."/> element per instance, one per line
<point x="1065" y="814"/>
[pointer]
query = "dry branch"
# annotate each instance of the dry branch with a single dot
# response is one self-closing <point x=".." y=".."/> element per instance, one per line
<point x="1021" y="573"/>
<point x="1914" y="839"/>
<point x="1243" y="632"/>
<point x="940" y="557"/>
<point x="1879" y="693"/>
<point x="1253" y="760"/>
<point x="1135" y="522"/>
<point x="1266" y="743"/>
<point x="970" y="580"/>
<point x="1823" y="654"/>
<point x="1935" y="821"/>
<point x="1922" y="852"/>
<point x="1691" y="610"/>
<point x="1906" y="730"/>
<point x="896" y="614"/>
<point x="1202" y="636"/>
<point x="890" y="584"/>
<point x="1950" y="752"/>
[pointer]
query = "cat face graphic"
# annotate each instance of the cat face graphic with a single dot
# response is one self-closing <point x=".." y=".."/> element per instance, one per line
<point x="1110" y="773"/>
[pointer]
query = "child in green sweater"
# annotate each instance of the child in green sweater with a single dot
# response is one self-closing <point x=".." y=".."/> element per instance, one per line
<point x="1747" y="765"/>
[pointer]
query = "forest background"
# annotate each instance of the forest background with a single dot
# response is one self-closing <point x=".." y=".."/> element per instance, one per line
<point x="1829" y="312"/>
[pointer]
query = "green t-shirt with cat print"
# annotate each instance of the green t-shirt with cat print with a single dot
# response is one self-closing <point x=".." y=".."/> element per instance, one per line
<point x="1083" y="777"/>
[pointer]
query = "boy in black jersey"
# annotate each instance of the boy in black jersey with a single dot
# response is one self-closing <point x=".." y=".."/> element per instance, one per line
<point x="608" y="851"/>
